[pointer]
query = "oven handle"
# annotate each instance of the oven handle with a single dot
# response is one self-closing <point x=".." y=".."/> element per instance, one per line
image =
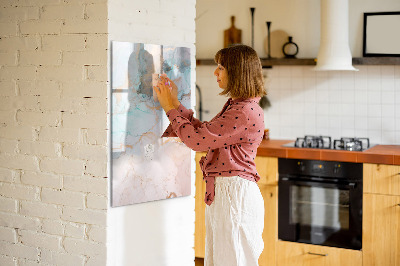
<point x="297" y="181"/>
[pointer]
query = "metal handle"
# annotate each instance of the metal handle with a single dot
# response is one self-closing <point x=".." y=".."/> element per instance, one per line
<point x="318" y="254"/>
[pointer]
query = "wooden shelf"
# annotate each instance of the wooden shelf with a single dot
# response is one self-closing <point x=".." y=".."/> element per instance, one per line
<point x="312" y="61"/>
<point x="376" y="61"/>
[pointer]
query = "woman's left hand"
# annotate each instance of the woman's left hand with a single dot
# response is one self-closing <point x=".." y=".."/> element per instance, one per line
<point x="164" y="95"/>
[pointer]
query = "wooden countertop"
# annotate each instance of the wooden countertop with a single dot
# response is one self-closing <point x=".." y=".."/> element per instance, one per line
<point x="379" y="154"/>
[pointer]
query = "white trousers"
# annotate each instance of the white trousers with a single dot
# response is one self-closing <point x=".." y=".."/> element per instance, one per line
<point x="234" y="223"/>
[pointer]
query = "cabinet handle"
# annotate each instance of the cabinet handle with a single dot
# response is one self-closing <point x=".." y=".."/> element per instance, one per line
<point x="318" y="254"/>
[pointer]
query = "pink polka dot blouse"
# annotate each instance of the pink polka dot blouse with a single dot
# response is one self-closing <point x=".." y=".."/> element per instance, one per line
<point x="231" y="139"/>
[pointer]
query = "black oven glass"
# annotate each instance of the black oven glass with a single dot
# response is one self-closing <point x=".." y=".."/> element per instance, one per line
<point x="320" y="205"/>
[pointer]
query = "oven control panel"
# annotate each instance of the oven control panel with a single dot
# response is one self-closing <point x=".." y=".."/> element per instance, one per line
<point x="331" y="169"/>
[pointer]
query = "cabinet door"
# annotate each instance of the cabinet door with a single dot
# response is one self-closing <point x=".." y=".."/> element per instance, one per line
<point x="270" y="233"/>
<point x="381" y="179"/>
<point x="200" y="207"/>
<point x="267" y="168"/>
<point x="381" y="230"/>
<point x="297" y="254"/>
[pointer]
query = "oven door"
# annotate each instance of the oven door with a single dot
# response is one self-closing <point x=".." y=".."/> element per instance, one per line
<point x="321" y="212"/>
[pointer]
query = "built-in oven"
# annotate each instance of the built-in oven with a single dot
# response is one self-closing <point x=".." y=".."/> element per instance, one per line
<point x="320" y="202"/>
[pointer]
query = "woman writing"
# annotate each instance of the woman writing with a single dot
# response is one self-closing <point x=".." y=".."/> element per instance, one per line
<point x="235" y="207"/>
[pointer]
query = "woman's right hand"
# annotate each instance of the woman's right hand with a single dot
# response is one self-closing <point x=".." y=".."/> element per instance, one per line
<point x="174" y="90"/>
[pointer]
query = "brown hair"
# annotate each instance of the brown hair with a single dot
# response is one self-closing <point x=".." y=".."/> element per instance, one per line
<point x="245" y="78"/>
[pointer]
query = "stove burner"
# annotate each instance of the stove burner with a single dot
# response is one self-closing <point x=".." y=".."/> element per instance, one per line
<point x="308" y="141"/>
<point x="324" y="142"/>
<point x="351" y="144"/>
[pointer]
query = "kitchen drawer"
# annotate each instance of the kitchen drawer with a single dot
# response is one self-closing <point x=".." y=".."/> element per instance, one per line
<point x="381" y="179"/>
<point x="298" y="254"/>
<point x="267" y="168"/>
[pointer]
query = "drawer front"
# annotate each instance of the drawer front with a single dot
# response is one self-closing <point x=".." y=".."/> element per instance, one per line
<point x="294" y="254"/>
<point x="381" y="179"/>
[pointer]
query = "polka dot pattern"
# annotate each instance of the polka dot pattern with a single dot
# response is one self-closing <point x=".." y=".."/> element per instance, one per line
<point x="231" y="139"/>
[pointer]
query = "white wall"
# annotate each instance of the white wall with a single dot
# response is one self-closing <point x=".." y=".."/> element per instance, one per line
<point x="338" y="104"/>
<point x="53" y="133"/>
<point x="161" y="232"/>
<point x="299" y="18"/>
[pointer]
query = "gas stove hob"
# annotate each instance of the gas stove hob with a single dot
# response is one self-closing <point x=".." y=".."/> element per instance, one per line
<point x="325" y="142"/>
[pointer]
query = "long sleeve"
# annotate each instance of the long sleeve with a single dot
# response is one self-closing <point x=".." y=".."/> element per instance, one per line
<point x="186" y="113"/>
<point x="222" y="131"/>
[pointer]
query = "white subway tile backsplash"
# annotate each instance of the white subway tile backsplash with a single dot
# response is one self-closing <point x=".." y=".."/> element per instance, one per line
<point x="348" y="77"/>
<point x="388" y="110"/>
<point x="338" y="104"/>
<point x="347" y="110"/>
<point x="374" y="97"/>
<point x="297" y="83"/>
<point x="334" y="109"/>
<point x="374" y="84"/>
<point x="284" y="72"/>
<point x="284" y="83"/>
<point x="374" y="123"/>
<point x="322" y="83"/>
<point x="322" y="109"/>
<point x="308" y="72"/>
<point x="374" y="111"/>
<point x="387" y="72"/>
<point x="388" y="84"/>
<point x="322" y="121"/>
<point x="286" y="120"/>
<point x="348" y="122"/>
<point x="389" y="136"/>
<point x="361" y="97"/>
<point x="348" y="96"/>
<point x="297" y="72"/>
<point x="322" y="95"/>
<point x="397" y="110"/>
<point x="348" y="133"/>
<point x="335" y="122"/>
<point x="361" y="110"/>
<point x="310" y="108"/>
<point x="375" y="136"/>
<point x="388" y="124"/>
<point x="388" y="97"/>
<point x="374" y="70"/>
<point x="361" y="123"/>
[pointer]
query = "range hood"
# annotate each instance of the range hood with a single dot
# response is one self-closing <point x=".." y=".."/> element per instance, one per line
<point x="334" y="51"/>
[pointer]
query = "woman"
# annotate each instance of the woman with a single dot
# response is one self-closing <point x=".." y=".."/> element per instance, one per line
<point x="235" y="207"/>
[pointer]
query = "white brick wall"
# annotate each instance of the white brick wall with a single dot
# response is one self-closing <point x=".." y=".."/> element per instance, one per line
<point x="53" y="128"/>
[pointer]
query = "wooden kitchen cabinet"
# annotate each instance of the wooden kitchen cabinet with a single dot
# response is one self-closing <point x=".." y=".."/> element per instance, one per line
<point x="298" y="254"/>
<point x="381" y="179"/>
<point x="267" y="168"/>
<point x="381" y="215"/>
<point x="200" y="207"/>
<point x="270" y="233"/>
<point x="381" y="230"/>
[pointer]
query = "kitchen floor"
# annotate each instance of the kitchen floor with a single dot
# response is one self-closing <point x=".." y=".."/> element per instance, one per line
<point x="199" y="262"/>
